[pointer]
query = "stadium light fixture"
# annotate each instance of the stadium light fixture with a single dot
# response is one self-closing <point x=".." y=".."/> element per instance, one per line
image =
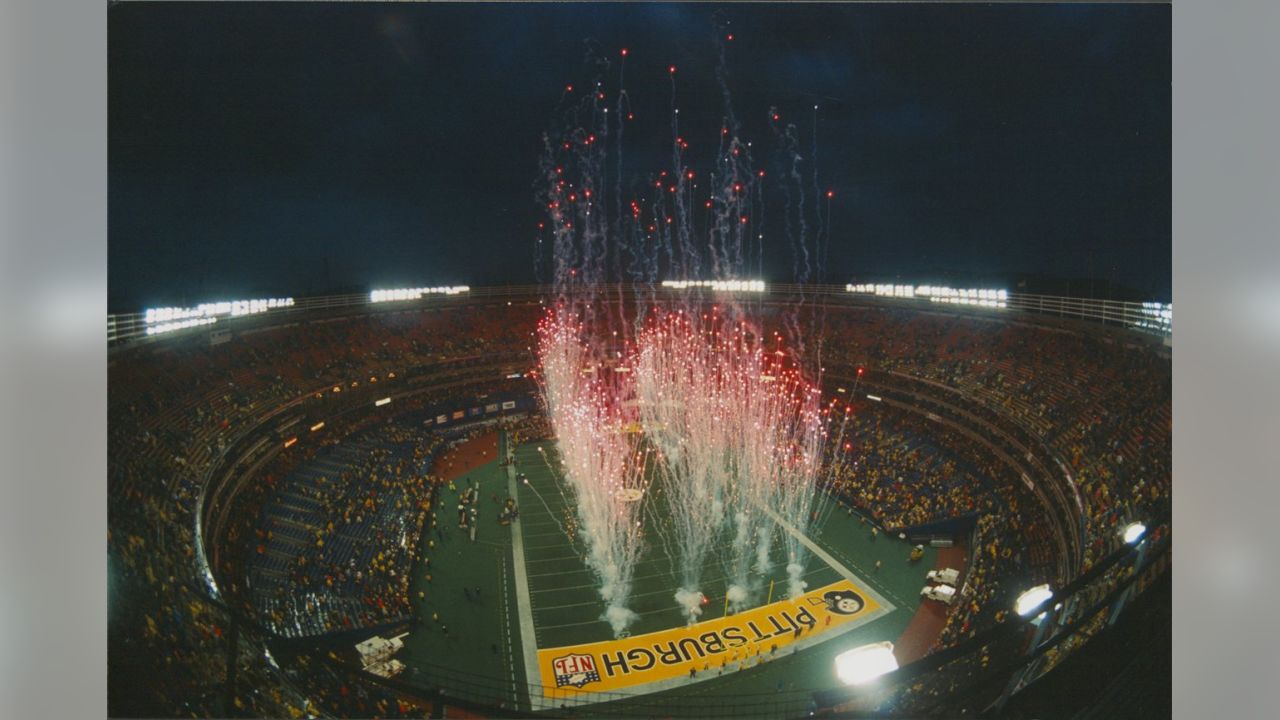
<point x="754" y="286"/>
<point x="383" y="401"/>
<point x="397" y="294"/>
<point x="168" y="319"/>
<point x="861" y="665"/>
<point x="1134" y="532"/>
<point x="1031" y="600"/>
<point x="179" y="325"/>
<point x="985" y="297"/>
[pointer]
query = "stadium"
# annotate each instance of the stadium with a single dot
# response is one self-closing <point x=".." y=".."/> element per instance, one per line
<point x="794" y="374"/>
<point x="305" y="553"/>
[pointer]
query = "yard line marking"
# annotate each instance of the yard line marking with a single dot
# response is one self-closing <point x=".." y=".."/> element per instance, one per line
<point x="562" y="572"/>
<point x="575" y="556"/>
<point x="506" y="617"/>
<point x="547" y="521"/>
<point x="826" y="557"/>
<point x="559" y="588"/>
<point x="662" y="591"/>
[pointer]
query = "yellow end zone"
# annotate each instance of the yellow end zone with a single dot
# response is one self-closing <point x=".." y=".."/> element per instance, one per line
<point x="750" y="636"/>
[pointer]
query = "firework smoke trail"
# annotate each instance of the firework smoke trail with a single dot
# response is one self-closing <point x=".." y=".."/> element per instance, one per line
<point x="818" y="454"/>
<point x="600" y="461"/>
<point x="691" y="466"/>
<point x="733" y="212"/>
<point x="820" y="239"/>
<point x="796" y="488"/>
<point x="750" y="400"/>
<point x="822" y="244"/>
<point x="574" y="190"/>
<point x="741" y="436"/>
<point x="623" y="231"/>
<point x="781" y="434"/>
<point x="791" y="186"/>
<point x="735" y="429"/>
<point x="589" y="405"/>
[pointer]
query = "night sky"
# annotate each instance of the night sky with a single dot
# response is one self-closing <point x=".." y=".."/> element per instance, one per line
<point x="293" y="149"/>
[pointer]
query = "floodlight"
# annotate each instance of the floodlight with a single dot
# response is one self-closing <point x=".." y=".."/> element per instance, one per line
<point x="1031" y="600"/>
<point x="1134" y="532"/>
<point x="863" y="664"/>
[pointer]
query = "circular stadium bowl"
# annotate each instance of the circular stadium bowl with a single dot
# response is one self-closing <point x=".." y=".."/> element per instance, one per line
<point x="282" y="498"/>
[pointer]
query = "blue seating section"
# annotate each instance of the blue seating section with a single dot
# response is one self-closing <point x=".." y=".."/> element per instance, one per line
<point x="288" y="581"/>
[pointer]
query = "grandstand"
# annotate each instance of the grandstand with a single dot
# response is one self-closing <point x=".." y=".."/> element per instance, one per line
<point x="286" y="484"/>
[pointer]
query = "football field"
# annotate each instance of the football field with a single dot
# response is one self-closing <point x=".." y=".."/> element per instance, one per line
<point x="561" y="610"/>
<point x="564" y="594"/>
<point x="515" y="615"/>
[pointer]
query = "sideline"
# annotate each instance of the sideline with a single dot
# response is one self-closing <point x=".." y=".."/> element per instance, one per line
<point x="528" y="639"/>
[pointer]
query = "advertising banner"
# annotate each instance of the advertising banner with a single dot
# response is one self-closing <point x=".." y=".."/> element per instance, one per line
<point x="726" y="643"/>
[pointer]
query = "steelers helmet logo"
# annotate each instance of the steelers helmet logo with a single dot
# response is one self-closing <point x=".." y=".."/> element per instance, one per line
<point x="843" y="602"/>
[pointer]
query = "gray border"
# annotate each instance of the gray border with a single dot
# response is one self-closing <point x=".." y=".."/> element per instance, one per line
<point x="53" y="435"/>
<point x="1226" y="269"/>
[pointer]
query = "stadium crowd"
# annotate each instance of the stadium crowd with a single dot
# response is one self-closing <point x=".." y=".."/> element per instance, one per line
<point x="1101" y="402"/>
<point x="347" y="537"/>
<point x="1095" y="400"/>
<point x="908" y="471"/>
<point x="174" y="407"/>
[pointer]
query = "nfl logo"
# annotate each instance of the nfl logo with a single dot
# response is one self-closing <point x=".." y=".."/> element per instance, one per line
<point x="575" y="670"/>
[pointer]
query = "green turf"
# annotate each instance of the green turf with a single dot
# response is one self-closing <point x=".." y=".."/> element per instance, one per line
<point x="470" y="667"/>
<point x="566" y="606"/>
<point x="566" y="603"/>
<point x="788" y="681"/>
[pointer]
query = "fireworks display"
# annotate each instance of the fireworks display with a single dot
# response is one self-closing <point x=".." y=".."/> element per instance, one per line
<point x="599" y="458"/>
<point x="681" y="392"/>
<point x="741" y="437"/>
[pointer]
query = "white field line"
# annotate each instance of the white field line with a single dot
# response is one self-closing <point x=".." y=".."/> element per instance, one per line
<point x="528" y="638"/>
